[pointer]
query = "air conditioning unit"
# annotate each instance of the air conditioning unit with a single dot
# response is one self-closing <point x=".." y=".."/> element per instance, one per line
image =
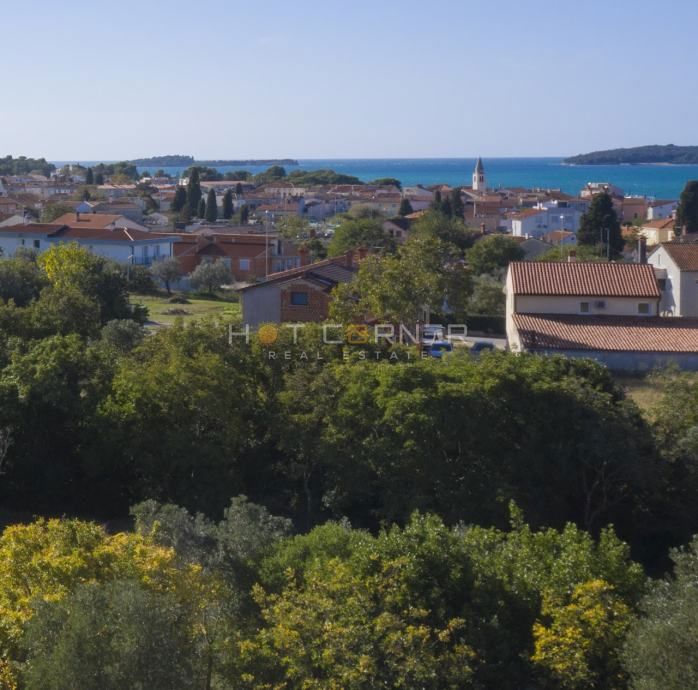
<point x="600" y="304"/>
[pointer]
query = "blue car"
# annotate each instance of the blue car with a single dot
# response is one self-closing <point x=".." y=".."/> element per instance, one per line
<point x="437" y="348"/>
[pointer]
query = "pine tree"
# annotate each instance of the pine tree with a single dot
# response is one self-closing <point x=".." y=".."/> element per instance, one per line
<point x="201" y="211"/>
<point x="194" y="191"/>
<point x="89" y="176"/>
<point x="600" y="225"/>
<point x="687" y="212"/>
<point x="211" y="209"/>
<point x="228" y="205"/>
<point x="405" y="208"/>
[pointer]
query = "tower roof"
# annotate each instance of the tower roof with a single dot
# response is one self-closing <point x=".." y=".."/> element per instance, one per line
<point x="479" y="167"/>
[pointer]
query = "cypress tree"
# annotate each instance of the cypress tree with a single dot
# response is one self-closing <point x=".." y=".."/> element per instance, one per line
<point x="405" y="208"/>
<point x="201" y="211"/>
<point x="457" y="205"/>
<point x="211" y="206"/>
<point x="600" y="225"/>
<point x="687" y="212"/>
<point x="99" y="178"/>
<point x="238" y="188"/>
<point x="89" y="176"/>
<point x="194" y="191"/>
<point x="446" y="207"/>
<point x="228" y="205"/>
<point x="244" y="214"/>
<point x="180" y="199"/>
<point x="436" y="204"/>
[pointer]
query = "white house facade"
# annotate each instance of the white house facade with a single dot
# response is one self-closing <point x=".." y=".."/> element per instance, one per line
<point x="122" y="245"/>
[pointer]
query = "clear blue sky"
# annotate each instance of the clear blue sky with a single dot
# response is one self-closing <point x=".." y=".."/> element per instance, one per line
<point x="324" y="78"/>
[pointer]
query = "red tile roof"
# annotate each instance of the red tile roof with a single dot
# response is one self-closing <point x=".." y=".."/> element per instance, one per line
<point x="608" y="333"/>
<point x="583" y="278"/>
<point x="94" y="221"/>
<point x="684" y="254"/>
<point x="660" y="223"/>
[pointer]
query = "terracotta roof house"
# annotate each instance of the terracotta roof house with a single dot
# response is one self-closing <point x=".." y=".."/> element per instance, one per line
<point x="676" y="266"/>
<point x="658" y="231"/>
<point x="298" y="295"/>
<point x="9" y="206"/>
<point x="249" y="257"/>
<point x="120" y="244"/>
<point x="606" y="311"/>
<point x="98" y="221"/>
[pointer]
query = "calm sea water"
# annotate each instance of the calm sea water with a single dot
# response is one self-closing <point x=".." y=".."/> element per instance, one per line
<point x="660" y="181"/>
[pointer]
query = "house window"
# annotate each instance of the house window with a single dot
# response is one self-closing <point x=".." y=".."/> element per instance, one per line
<point x="299" y="299"/>
<point x="244" y="264"/>
<point x="584" y="307"/>
<point x="37" y="244"/>
<point x="643" y="308"/>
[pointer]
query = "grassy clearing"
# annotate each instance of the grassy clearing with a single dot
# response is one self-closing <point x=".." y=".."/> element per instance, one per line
<point x="163" y="313"/>
<point x="647" y="391"/>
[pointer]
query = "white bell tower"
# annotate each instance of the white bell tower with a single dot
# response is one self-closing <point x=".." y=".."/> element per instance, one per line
<point x="479" y="184"/>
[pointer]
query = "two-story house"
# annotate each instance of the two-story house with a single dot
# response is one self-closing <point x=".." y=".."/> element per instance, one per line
<point x="676" y="266"/>
<point x="605" y="311"/>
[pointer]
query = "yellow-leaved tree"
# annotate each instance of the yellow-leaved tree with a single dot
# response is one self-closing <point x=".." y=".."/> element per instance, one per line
<point x="46" y="561"/>
<point x="581" y="642"/>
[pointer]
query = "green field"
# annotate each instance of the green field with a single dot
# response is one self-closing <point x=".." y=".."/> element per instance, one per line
<point x="161" y="312"/>
<point x="647" y="391"/>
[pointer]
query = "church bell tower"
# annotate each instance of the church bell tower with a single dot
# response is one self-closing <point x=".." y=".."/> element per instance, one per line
<point x="479" y="184"/>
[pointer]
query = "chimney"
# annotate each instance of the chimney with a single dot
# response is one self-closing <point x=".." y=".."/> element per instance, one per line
<point x="572" y="256"/>
<point x="641" y="250"/>
<point x="304" y="254"/>
<point x="363" y="253"/>
<point x="349" y="258"/>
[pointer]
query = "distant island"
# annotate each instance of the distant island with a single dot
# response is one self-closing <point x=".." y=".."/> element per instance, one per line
<point x="658" y="154"/>
<point x="187" y="161"/>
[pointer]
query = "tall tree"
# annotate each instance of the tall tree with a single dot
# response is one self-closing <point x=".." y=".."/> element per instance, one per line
<point x="180" y="199"/>
<point x="457" y="205"/>
<point x="687" y="213"/>
<point x="99" y="178"/>
<point x="405" y="207"/>
<point x="194" y="191"/>
<point x="228" y="208"/>
<point x="201" y="211"/>
<point x="89" y="176"/>
<point x="244" y="214"/>
<point x="600" y="225"/>
<point x="211" y="206"/>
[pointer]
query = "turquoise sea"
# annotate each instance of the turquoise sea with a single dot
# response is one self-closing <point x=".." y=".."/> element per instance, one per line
<point x="659" y="181"/>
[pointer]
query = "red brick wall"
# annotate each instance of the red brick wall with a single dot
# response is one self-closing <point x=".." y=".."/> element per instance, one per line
<point x="315" y="310"/>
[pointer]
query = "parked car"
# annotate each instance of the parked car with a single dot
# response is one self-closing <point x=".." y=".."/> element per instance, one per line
<point x="437" y="348"/>
<point x="480" y="347"/>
